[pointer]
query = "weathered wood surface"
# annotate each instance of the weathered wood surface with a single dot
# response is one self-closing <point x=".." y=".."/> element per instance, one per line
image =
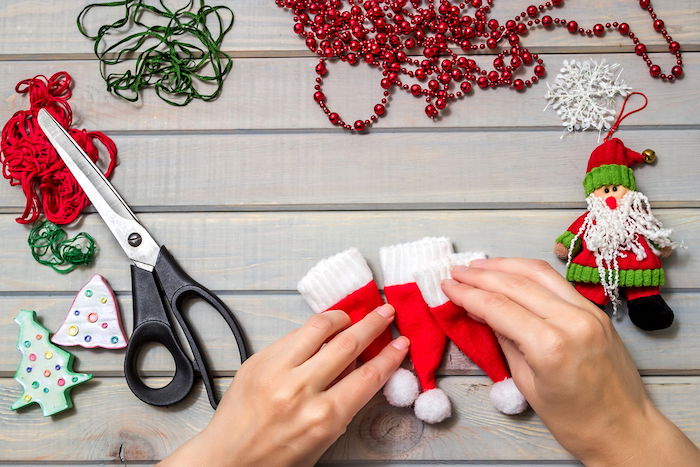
<point x="272" y="251"/>
<point x="263" y="29"/>
<point x="493" y="175"/>
<point x="266" y="317"/>
<point x="460" y="169"/>
<point x="109" y="422"/>
<point x="268" y="93"/>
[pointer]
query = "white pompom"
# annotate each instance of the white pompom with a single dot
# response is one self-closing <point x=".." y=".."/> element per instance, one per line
<point x="402" y="388"/>
<point x="506" y="397"/>
<point x="433" y="406"/>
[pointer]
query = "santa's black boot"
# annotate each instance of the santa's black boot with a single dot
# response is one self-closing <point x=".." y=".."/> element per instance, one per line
<point x="650" y="313"/>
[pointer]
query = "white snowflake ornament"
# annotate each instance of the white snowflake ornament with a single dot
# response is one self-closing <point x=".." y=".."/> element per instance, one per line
<point x="93" y="319"/>
<point x="584" y="92"/>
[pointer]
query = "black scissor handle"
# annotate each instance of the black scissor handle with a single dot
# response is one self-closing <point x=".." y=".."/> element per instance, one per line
<point x="177" y="286"/>
<point x="151" y="325"/>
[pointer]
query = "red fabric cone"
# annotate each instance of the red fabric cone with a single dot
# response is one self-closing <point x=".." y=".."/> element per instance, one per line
<point x="414" y="321"/>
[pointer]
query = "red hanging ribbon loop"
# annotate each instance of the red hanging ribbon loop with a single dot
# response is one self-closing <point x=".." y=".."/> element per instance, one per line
<point x="623" y="115"/>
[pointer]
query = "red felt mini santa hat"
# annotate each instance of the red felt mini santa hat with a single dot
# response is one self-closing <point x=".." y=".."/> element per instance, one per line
<point x="345" y="282"/>
<point x="476" y="340"/>
<point x="611" y="164"/>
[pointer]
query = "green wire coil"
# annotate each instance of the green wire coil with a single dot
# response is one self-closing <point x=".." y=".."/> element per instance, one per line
<point x="51" y="247"/>
<point x="179" y="58"/>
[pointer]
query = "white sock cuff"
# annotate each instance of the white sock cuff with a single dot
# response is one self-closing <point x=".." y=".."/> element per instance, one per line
<point x="334" y="278"/>
<point x="429" y="279"/>
<point x="401" y="261"/>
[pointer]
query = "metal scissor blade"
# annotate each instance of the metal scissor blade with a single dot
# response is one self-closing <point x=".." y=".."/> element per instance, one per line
<point x="134" y="239"/>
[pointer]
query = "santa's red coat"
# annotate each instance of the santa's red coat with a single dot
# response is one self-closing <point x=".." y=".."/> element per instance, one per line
<point x="583" y="259"/>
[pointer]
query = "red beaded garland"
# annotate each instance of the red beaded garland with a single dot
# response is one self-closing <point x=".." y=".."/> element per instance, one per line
<point x="420" y="40"/>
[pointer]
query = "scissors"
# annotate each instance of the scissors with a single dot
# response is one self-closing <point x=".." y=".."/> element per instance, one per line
<point x="159" y="285"/>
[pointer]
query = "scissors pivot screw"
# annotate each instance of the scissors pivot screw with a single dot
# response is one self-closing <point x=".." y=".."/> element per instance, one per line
<point x="134" y="239"/>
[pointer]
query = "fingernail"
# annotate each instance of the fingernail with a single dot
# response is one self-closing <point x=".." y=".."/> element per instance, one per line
<point x="400" y="343"/>
<point x="477" y="262"/>
<point x="459" y="268"/>
<point x="387" y="311"/>
<point x="449" y="282"/>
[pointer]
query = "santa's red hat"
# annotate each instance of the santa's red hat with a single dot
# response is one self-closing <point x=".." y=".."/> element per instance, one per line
<point x="611" y="164"/>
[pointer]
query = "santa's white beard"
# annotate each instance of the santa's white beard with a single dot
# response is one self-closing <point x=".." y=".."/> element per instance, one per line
<point x="611" y="233"/>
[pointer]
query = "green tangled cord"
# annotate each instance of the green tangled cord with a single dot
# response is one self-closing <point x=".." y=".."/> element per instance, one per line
<point x="51" y="247"/>
<point x="178" y="58"/>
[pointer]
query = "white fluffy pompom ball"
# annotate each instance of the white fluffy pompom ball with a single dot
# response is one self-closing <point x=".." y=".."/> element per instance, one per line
<point x="433" y="406"/>
<point x="402" y="388"/>
<point x="506" y="397"/>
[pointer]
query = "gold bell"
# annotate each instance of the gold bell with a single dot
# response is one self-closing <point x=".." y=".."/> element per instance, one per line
<point x="649" y="156"/>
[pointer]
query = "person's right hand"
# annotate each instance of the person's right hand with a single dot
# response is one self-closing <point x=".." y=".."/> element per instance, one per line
<point x="570" y="364"/>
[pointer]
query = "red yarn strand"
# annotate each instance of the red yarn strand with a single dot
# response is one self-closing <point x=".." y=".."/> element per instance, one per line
<point x="622" y="115"/>
<point x="29" y="160"/>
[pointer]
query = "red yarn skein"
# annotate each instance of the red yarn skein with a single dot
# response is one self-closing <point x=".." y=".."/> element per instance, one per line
<point x="29" y="159"/>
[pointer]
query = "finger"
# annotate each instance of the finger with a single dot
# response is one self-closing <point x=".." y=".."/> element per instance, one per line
<point x="344" y="348"/>
<point x="354" y="391"/>
<point x="518" y="288"/>
<point x="517" y="362"/>
<point x="502" y="314"/>
<point x="299" y="345"/>
<point x="540" y="272"/>
<point x="349" y="369"/>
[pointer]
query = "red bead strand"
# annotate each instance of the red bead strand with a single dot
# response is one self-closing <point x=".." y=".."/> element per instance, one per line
<point x="382" y="33"/>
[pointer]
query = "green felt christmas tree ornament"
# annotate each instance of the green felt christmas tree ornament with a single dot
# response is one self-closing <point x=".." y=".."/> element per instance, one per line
<point x="45" y="370"/>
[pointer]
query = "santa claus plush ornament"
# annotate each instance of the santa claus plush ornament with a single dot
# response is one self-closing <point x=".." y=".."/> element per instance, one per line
<point x="617" y="244"/>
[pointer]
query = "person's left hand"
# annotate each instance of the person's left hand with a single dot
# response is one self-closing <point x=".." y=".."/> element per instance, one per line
<point x="289" y="402"/>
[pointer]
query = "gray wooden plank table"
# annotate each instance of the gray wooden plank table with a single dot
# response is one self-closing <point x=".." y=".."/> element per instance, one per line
<point x="251" y="190"/>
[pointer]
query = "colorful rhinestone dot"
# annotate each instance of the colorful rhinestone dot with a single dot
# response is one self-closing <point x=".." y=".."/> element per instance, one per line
<point x="114" y="339"/>
<point x="46" y="390"/>
<point x="48" y="354"/>
<point x="47" y="373"/>
<point x="58" y="367"/>
<point x="35" y="384"/>
<point x="76" y="312"/>
<point x="29" y="369"/>
<point x="27" y="344"/>
<point x="88" y="338"/>
<point x="27" y="397"/>
<point x="103" y="299"/>
<point x="32" y="357"/>
<point x="61" y="382"/>
<point x="88" y="293"/>
<point x="75" y="379"/>
<point x="92" y="317"/>
<point x="72" y="330"/>
<point x="38" y="337"/>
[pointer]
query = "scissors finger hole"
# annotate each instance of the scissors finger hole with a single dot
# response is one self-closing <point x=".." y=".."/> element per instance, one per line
<point x="155" y="365"/>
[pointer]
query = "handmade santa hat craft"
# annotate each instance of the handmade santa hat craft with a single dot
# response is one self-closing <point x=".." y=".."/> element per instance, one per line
<point x="413" y="320"/>
<point x="617" y="244"/>
<point x="476" y="340"/>
<point x="345" y="282"/>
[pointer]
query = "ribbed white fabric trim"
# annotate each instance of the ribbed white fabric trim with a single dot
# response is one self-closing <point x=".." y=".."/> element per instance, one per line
<point x="333" y="279"/>
<point x="429" y="279"/>
<point x="400" y="262"/>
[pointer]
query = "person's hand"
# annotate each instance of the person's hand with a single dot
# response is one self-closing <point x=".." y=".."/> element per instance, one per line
<point x="561" y="251"/>
<point x="665" y="252"/>
<point x="570" y="364"/>
<point x="289" y="402"/>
